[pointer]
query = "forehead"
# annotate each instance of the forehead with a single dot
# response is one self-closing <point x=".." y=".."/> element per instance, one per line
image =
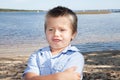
<point x="65" y="20"/>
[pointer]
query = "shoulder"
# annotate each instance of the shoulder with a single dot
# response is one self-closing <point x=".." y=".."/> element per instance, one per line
<point x="76" y="53"/>
<point x="40" y="52"/>
<point x="37" y="56"/>
<point x="74" y="50"/>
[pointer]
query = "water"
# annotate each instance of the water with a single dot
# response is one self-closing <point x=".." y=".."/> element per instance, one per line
<point x="99" y="46"/>
<point x="95" y="32"/>
<point x="16" y="27"/>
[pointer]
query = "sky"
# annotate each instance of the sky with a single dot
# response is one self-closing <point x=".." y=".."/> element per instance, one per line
<point x="48" y="4"/>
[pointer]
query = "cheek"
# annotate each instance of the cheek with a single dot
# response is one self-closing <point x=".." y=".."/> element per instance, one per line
<point x="68" y="36"/>
<point x="48" y="36"/>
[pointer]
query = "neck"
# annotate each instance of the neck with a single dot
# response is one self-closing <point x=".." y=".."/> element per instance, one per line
<point x="56" y="51"/>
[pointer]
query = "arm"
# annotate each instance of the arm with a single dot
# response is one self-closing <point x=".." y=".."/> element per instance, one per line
<point x="33" y="76"/>
<point x="77" y="60"/>
<point x="32" y="72"/>
<point x="68" y="74"/>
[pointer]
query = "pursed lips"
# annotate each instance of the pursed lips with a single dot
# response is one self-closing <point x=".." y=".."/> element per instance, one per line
<point x="56" y="40"/>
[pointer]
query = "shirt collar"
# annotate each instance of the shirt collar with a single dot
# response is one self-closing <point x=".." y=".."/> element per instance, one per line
<point x="43" y="50"/>
<point x="68" y="48"/>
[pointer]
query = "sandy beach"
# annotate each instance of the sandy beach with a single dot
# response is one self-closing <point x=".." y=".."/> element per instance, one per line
<point x="102" y="65"/>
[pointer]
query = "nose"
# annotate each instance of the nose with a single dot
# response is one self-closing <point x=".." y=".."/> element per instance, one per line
<point x="56" y="33"/>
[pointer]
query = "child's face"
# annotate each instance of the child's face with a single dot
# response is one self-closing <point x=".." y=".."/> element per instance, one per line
<point x="59" y="32"/>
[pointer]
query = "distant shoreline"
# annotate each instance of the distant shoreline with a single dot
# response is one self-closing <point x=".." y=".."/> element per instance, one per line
<point x="15" y="10"/>
<point x="94" y="12"/>
<point x="77" y="12"/>
<point x="104" y="11"/>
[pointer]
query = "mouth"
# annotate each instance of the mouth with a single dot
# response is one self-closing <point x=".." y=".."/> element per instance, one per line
<point x="56" y="40"/>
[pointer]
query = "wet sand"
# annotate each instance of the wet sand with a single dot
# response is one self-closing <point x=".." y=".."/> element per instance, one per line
<point x="102" y="65"/>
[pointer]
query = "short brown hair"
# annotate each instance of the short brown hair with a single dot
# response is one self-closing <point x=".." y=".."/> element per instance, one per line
<point x="63" y="11"/>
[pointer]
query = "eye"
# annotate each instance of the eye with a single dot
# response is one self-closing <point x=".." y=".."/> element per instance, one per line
<point x="62" y="30"/>
<point x="50" y="29"/>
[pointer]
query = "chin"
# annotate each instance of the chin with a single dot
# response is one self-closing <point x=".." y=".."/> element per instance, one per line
<point x="55" y="46"/>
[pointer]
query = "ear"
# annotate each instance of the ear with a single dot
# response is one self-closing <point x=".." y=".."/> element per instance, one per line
<point x="73" y="35"/>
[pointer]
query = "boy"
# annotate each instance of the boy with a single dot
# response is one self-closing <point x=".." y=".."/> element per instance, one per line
<point x="60" y="60"/>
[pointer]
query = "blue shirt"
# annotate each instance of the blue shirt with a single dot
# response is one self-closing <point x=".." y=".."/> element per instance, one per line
<point x="43" y="62"/>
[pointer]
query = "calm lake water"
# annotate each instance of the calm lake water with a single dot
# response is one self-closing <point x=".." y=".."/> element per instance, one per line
<point x="95" y="32"/>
